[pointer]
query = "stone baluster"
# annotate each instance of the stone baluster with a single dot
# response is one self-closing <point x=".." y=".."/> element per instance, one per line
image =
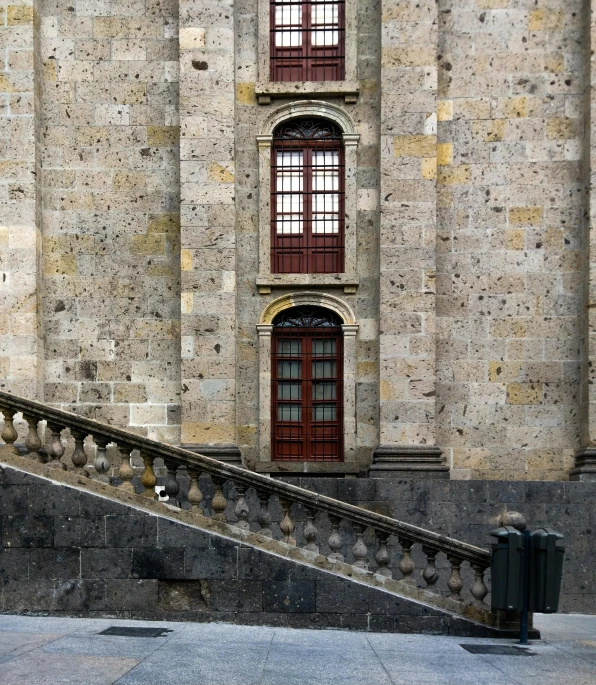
<point x="479" y="589"/>
<point x="287" y="525"/>
<point x="101" y="462"/>
<point x="241" y="509"/>
<point x="455" y="582"/>
<point x="264" y="517"/>
<point x="382" y="555"/>
<point x="32" y="441"/>
<point x="79" y="456"/>
<point x="195" y="496"/>
<point x="406" y="564"/>
<point x="9" y="433"/>
<point x="148" y="479"/>
<point x="334" y="540"/>
<point x="430" y="573"/>
<point x="56" y="448"/>
<point x="171" y="486"/>
<point x="310" y="532"/>
<point x="126" y="471"/>
<point x="218" y="502"/>
<point x="359" y="549"/>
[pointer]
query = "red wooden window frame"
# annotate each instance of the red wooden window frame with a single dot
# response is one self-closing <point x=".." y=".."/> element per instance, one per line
<point x="292" y="21"/>
<point x="298" y="245"/>
<point x="307" y="425"/>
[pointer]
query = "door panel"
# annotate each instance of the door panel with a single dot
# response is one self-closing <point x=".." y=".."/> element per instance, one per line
<point x="307" y="395"/>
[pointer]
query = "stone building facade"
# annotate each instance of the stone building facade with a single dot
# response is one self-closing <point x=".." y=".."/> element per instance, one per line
<point x="136" y="145"/>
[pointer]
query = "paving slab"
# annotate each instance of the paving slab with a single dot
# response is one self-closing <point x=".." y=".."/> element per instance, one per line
<point x="39" y="668"/>
<point x="66" y="651"/>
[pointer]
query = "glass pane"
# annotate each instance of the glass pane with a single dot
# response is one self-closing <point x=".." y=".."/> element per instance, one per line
<point x="289" y="158"/>
<point x="289" y="412"/>
<point x="323" y="347"/>
<point x="324" y="224"/>
<point x="325" y="37"/>
<point x="289" y="369"/>
<point x="324" y="369"/>
<point x="289" y="226"/>
<point x="289" y="17"/>
<point x="324" y="412"/>
<point x="324" y="391"/>
<point x="289" y="347"/>
<point x="325" y="180"/>
<point x="325" y="158"/>
<point x="291" y="391"/>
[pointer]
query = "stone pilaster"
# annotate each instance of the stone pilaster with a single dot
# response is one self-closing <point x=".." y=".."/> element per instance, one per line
<point x="407" y="244"/>
<point x="585" y="457"/>
<point x="20" y="328"/>
<point x="208" y="258"/>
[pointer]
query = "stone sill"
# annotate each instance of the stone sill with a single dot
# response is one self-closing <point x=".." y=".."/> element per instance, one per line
<point x="349" y="282"/>
<point x="266" y="91"/>
<point x="314" y="467"/>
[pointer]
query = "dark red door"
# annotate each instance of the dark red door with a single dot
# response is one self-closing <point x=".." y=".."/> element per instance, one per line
<point x="307" y="40"/>
<point x="307" y="394"/>
<point x="307" y="226"/>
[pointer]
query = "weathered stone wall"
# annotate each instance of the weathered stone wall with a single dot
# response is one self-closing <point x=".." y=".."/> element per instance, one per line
<point x="69" y="552"/>
<point x="510" y="215"/>
<point x="207" y="91"/>
<point x="20" y="242"/>
<point x="469" y="510"/>
<point x="110" y="211"/>
<point x="473" y="271"/>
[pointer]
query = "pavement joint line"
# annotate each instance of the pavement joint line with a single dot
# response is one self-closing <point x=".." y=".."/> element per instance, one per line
<point x="380" y="660"/>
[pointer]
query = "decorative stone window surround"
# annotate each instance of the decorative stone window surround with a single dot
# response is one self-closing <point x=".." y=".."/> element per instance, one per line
<point x="349" y="279"/>
<point x="267" y="89"/>
<point x="265" y="332"/>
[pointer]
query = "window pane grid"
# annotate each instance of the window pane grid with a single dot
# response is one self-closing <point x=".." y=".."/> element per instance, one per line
<point x="307" y="207"/>
<point x="307" y="40"/>
<point x="308" y="408"/>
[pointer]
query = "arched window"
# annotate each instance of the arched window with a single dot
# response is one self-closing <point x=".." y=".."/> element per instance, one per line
<point x="307" y="385"/>
<point x="307" y="197"/>
<point x="307" y="40"/>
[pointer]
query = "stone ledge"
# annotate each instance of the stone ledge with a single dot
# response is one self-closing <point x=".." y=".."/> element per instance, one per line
<point x="409" y="461"/>
<point x="228" y="453"/>
<point x="348" y="281"/>
<point x="310" y="467"/>
<point x="266" y="91"/>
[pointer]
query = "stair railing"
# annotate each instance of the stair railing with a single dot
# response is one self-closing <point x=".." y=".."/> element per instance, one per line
<point x="340" y="514"/>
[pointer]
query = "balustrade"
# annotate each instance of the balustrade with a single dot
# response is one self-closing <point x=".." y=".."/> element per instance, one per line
<point x="239" y="483"/>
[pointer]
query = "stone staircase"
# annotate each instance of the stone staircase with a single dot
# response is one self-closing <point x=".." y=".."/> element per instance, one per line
<point x="83" y="538"/>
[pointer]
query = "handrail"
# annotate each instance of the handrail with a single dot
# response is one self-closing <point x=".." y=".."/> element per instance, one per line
<point x="361" y="519"/>
<point x="212" y="466"/>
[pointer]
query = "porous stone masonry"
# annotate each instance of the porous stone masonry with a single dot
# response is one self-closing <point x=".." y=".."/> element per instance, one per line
<point x="110" y="211"/>
<point x="510" y="196"/>
<point x="20" y="240"/>
<point x="133" y="276"/>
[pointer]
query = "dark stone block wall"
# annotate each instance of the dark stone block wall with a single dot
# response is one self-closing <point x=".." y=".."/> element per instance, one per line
<point x="469" y="509"/>
<point x="64" y="551"/>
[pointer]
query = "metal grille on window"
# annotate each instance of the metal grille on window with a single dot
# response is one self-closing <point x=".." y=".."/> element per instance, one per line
<point x="307" y="397"/>
<point x="307" y="40"/>
<point x="307" y="198"/>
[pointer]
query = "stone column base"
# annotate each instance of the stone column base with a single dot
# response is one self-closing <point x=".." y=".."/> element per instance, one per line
<point x="585" y="465"/>
<point x="229" y="454"/>
<point x="408" y="461"/>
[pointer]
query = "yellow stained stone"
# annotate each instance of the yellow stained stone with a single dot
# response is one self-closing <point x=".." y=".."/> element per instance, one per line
<point x="245" y="94"/>
<point x="529" y="216"/>
<point x="444" y="154"/>
<point x="415" y="146"/>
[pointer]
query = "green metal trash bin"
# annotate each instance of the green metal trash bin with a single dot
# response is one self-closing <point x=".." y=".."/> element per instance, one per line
<point x="506" y="569"/>
<point x="546" y="570"/>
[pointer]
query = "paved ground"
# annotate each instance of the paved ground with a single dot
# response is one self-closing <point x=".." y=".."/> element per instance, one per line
<point x="65" y="651"/>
